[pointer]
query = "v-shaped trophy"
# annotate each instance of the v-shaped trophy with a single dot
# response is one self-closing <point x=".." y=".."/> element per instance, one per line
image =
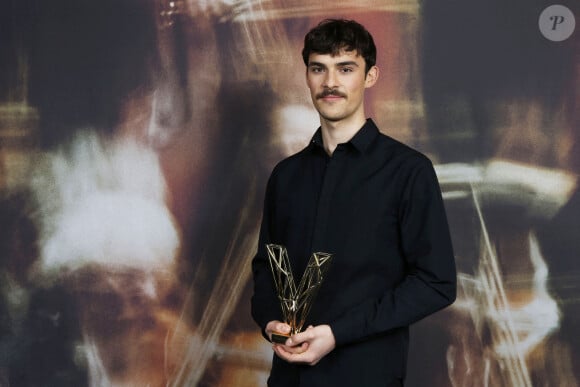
<point x="295" y="301"/>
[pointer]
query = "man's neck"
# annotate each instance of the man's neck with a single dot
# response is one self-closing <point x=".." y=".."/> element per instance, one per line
<point x="339" y="132"/>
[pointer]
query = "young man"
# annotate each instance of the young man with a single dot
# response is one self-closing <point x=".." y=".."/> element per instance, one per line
<point x="372" y="202"/>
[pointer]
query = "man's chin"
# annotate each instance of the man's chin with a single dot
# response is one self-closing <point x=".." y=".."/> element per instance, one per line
<point x="329" y="115"/>
<point x="332" y="118"/>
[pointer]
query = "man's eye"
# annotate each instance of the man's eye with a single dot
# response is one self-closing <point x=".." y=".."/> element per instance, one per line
<point x="346" y="70"/>
<point x="316" y="69"/>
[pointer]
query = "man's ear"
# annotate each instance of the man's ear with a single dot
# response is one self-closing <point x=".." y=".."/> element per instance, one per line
<point x="372" y="76"/>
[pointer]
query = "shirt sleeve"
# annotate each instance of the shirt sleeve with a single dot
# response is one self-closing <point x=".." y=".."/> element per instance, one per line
<point x="430" y="279"/>
<point x="264" y="303"/>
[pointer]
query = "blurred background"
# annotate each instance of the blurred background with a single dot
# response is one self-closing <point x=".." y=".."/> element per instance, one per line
<point x="136" y="137"/>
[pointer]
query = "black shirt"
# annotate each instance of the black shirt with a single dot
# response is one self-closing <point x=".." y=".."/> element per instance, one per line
<point x="376" y="205"/>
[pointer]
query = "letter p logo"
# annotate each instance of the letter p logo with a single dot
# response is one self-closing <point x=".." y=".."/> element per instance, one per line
<point x="558" y="19"/>
<point x="557" y="23"/>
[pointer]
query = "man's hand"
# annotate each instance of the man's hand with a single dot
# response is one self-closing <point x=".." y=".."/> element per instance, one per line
<point x="278" y="327"/>
<point x="307" y="347"/>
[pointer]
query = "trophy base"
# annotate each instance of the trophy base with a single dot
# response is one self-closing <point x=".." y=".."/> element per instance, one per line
<point x="279" y="338"/>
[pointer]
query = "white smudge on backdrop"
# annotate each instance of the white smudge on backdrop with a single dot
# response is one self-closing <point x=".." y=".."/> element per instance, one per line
<point x="103" y="201"/>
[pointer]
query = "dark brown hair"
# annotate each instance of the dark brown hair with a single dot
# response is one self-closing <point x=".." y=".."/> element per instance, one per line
<point x="331" y="36"/>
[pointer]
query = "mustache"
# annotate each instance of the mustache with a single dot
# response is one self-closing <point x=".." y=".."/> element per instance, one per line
<point x="328" y="92"/>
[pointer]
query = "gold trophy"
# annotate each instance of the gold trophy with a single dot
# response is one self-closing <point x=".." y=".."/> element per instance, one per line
<point x="295" y="301"/>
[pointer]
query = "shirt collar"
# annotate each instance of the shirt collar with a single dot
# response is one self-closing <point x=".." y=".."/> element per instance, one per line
<point x="360" y="141"/>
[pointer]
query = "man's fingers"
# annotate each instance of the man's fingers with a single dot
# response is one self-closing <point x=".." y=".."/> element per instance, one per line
<point x="283" y="328"/>
<point x="277" y="326"/>
<point x="296" y="349"/>
<point x="304" y="357"/>
<point x="301" y="337"/>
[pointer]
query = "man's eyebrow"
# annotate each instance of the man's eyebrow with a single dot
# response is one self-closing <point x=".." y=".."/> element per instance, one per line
<point x="340" y="64"/>
<point x="348" y="63"/>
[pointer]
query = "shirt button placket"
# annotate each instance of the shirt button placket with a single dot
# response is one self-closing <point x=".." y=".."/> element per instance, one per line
<point x="323" y="211"/>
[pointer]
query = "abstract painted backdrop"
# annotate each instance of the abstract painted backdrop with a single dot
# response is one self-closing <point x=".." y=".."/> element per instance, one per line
<point x="137" y="137"/>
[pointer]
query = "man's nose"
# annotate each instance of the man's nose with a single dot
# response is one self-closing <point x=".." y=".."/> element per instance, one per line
<point x="330" y="80"/>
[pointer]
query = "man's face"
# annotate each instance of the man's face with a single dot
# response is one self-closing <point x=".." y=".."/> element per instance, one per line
<point x="337" y="85"/>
